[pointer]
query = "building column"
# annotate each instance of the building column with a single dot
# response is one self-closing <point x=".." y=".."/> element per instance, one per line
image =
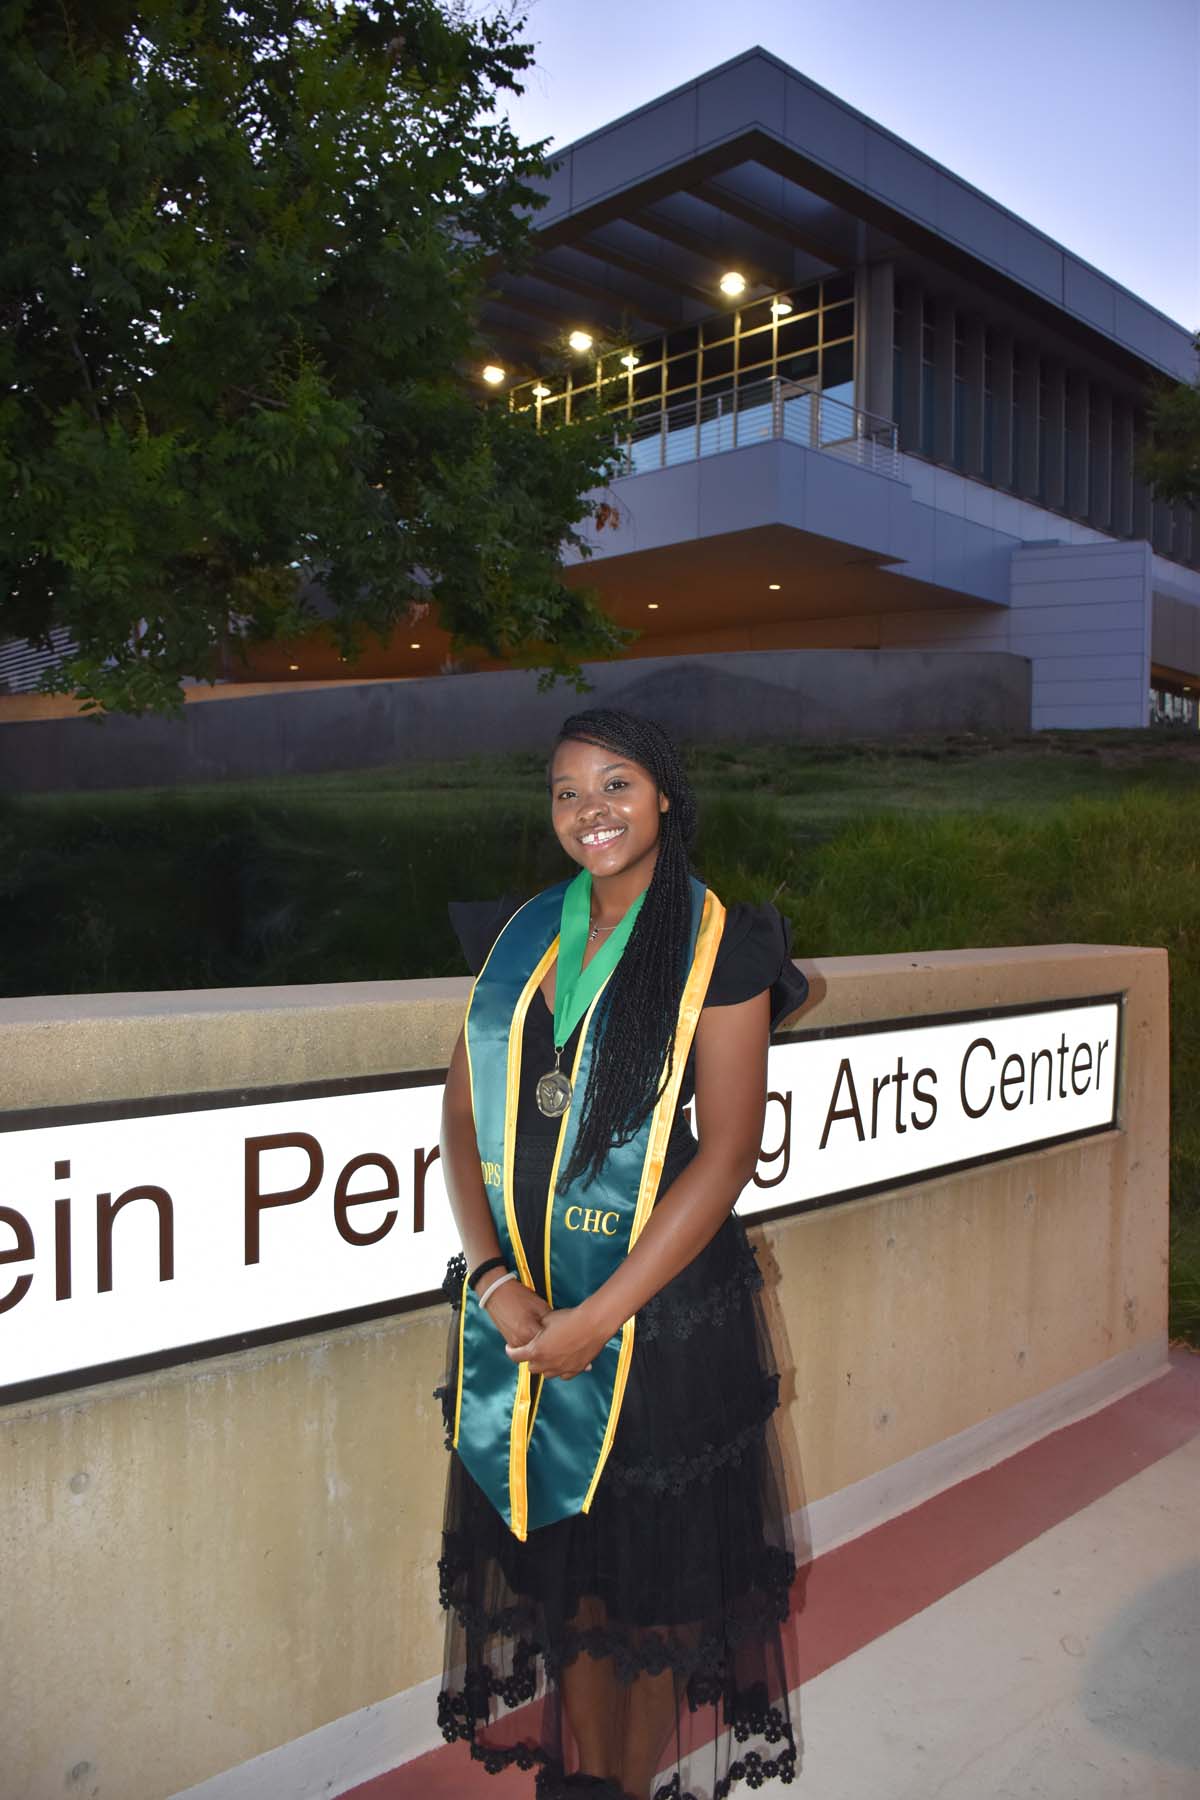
<point x="1026" y="446"/>
<point x="1077" y="444"/>
<point x="1122" y="469"/>
<point x="1100" y="460"/>
<point x="1161" y="526"/>
<point x="1056" y="417"/>
<point x="909" y="415"/>
<point x="1140" y="490"/>
<point x="943" y="380"/>
<point x="1002" y="393"/>
<point x="874" y="304"/>
<point x="973" y="396"/>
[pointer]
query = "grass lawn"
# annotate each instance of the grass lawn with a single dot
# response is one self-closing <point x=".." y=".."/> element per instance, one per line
<point x="868" y="847"/>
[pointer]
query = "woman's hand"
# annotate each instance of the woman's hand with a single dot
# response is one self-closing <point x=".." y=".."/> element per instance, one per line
<point x="565" y="1345"/>
<point x="515" y="1310"/>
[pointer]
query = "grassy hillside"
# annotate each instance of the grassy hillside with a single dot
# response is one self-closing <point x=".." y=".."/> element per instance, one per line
<point x="870" y="847"/>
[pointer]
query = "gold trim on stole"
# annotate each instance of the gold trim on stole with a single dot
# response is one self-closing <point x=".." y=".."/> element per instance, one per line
<point x="521" y="1404"/>
<point x="708" y="939"/>
<point x="518" y="1437"/>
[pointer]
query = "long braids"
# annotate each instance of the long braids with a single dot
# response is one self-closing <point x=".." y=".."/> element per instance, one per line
<point x="636" y="1018"/>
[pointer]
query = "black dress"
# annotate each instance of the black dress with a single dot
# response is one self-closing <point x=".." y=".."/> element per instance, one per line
<point x="685" y="1562"/>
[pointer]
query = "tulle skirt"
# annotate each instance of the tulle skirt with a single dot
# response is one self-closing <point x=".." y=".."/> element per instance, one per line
<point x="641" y="1641"/>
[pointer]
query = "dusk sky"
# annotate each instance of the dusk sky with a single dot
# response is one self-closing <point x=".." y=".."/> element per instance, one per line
<point x="1081" y="116"/>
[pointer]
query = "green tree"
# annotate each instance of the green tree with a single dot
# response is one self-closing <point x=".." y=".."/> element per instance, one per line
<point x="245" y="245"/>
<point x="1169" y="458"/>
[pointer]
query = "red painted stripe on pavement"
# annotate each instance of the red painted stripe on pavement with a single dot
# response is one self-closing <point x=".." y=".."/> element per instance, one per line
<point x="856" y="1593"/>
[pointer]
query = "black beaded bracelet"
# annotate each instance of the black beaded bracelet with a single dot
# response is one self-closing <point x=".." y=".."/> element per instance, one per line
<point x="493" y="1262"/>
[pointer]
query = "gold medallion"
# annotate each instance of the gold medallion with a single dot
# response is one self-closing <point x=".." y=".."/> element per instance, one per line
<point x="553" y="1094"/>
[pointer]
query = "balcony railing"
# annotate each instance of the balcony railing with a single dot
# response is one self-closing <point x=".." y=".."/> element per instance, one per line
<point x="777" y="408"/>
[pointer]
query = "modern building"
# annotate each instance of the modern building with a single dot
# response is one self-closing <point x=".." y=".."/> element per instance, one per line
<point x="859" y="405"/>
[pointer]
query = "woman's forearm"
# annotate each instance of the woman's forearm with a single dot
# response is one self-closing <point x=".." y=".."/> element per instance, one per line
<point x="461" y="1168"/>
<point x="686" y="1219"/>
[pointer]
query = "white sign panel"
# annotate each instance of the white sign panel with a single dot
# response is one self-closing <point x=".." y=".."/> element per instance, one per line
<point x="152" y="1232"/>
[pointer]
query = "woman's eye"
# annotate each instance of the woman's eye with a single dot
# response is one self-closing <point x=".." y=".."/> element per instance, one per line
<point x="617" y="782"/>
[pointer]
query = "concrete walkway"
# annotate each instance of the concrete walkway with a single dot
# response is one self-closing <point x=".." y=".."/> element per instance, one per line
<point x="1032" y="1633"/>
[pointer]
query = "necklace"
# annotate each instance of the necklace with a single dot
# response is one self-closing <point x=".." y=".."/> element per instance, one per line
<point x="594" y="933"/>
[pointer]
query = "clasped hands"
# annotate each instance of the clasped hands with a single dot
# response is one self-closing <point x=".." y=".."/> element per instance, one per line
<point x="553" y="1341"/>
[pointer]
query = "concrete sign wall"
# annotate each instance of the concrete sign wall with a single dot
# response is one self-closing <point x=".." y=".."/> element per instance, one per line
<point x="154" y="1232"/>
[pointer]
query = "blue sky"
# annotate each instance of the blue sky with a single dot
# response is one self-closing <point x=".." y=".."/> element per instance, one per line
<point x="1082" y="116"/>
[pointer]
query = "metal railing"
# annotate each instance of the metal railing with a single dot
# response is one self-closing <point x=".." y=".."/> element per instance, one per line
<point x="707" y="424"/>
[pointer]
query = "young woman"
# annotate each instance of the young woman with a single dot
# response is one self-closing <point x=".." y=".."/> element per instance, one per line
<point x="617" y="1564"/>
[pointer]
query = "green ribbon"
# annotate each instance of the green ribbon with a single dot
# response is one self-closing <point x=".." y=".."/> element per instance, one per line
<point x="574" y="986"/>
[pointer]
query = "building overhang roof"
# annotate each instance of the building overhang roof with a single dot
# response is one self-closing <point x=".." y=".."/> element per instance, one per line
<point x="753" y="166"/>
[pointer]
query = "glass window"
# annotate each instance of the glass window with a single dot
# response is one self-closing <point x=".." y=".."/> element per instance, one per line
<point x="717" y="360"/>
<point x="756" y="316"/>
<point x="681" y="371"/>
<point x="757" y="343"/>
<point x="718" y="329"/>
<point x="839" y="287"/>
<point x="802" y="367"/>
<point x="838" y="322"/>
<point x="798" y="333"/>
<point x="680" y="341"/>
<point x="927" y="408"/>
<point x="756" y="353"/>
<point x="837" y="366"/>
<point x="647" y="383"/>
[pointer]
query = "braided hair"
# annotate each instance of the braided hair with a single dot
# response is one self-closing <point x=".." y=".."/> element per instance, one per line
<point x="638" y="1012"/>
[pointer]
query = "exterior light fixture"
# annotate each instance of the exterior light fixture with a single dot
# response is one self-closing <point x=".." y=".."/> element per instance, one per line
<point x="652" y="606"/>
<point x="630" y="360"/>
<point x="773" y="586"/>
<point x="540" y="391"/>
<point x="733" y="283"/>
<point x="580" y="340"/>
<point x="414" y="646"/>
<point x="781" y="308"/>
<point x="493" y="374"/>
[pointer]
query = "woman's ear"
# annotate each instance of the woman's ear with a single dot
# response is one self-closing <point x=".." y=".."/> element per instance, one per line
<point x="664" y="803"/>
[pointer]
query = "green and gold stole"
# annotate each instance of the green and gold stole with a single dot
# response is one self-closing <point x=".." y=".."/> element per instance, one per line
<point x="538" y="1447"/>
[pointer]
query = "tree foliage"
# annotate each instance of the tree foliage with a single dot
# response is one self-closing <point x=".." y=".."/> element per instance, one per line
<point x="1170" y="457"/>
<point x="245" y="246"/>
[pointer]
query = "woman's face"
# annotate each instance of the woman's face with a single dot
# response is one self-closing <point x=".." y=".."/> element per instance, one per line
<point x="605" y="809"/>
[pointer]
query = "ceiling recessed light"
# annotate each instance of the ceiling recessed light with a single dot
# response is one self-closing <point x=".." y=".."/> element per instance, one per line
<point x="652" y="606"/>
<point x="414" y="646"/>
<point x="733" y="282"/>
<point x="781" y="307"/>
<point x="580" y="340"/>
<point x="541" y="391"/>
<point x="493" y="374"/>
<point x="293" y="665"/>
<point x="774" y="586"/>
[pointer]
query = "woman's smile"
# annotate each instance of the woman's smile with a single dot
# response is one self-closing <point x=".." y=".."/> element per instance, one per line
<point x="600" y="835"/>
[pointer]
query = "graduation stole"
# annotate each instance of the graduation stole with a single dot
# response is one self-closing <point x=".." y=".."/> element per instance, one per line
<point x="537" y="1446"/>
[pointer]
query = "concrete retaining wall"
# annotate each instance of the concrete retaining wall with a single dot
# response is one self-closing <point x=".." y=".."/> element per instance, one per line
<point x="201" y="1564"/>
<point x="774" y="696"/>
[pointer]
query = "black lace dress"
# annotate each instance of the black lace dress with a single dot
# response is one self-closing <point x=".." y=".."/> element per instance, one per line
<point x="659" y="1614"/>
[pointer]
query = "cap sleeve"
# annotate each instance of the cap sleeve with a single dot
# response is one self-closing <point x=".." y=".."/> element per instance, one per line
<point x="756" y="953"/>
<point x="478" y="923"/>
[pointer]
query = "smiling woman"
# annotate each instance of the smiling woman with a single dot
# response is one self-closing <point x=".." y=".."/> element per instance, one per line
<point x="617" y="1562"/>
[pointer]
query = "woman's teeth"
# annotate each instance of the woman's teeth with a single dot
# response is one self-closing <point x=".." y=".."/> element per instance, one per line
<point x="601" y="837"/>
